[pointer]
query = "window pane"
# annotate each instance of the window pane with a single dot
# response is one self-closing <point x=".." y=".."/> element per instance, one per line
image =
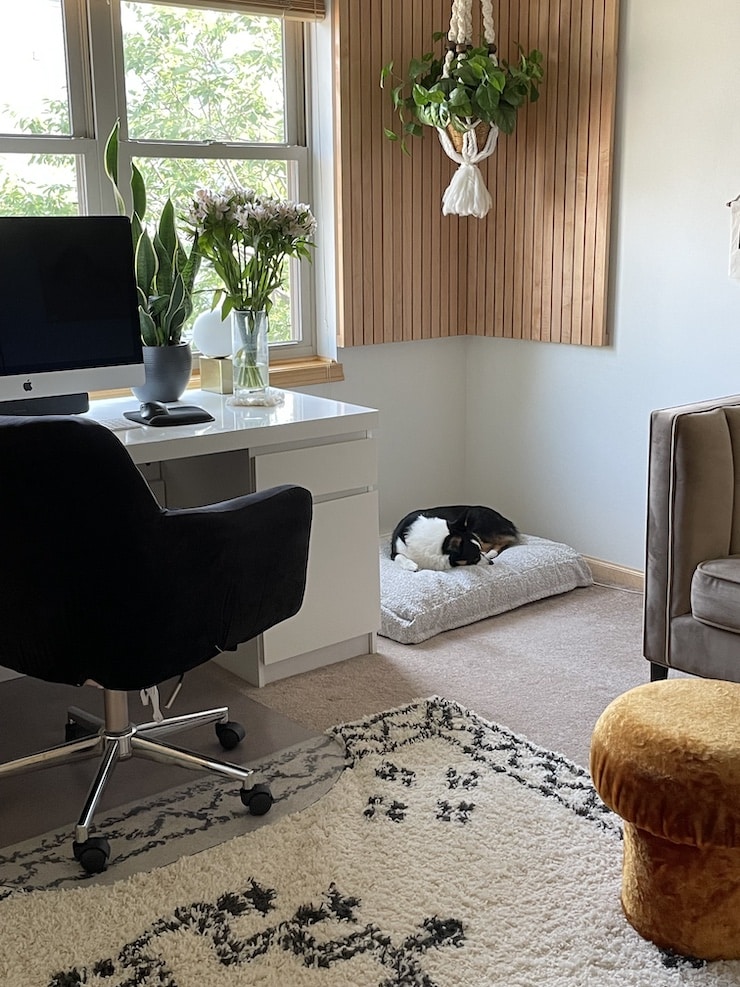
<point x="179" y="178"/>
<point x="38" y="185"/>
<point x="202" y="74"/>
<point x="33" y="78"/>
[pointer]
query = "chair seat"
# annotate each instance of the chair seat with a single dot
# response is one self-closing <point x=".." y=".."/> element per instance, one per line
<point x="715" y="593"/>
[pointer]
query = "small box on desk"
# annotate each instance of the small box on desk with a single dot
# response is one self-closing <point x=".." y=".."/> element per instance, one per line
<point x="216" y="374"/>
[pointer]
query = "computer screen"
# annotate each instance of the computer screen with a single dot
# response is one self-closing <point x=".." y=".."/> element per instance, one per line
<point x="69" y="320"/>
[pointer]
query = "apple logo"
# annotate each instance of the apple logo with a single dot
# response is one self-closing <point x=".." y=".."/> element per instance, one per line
<point x="27" y="385"/>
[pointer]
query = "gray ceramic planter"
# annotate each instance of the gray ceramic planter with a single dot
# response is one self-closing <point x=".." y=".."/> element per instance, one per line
<point x="168" y="371"/>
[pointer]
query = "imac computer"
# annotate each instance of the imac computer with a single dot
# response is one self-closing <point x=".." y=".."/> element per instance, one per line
<point x="69" y="320"/>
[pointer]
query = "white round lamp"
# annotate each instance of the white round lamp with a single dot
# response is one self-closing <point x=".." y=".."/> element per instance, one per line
<point x="212" y="334"/>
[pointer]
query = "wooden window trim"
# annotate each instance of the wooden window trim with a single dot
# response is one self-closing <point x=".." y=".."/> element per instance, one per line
<point x="298" y="10"/>
<point x="297" y="372"/>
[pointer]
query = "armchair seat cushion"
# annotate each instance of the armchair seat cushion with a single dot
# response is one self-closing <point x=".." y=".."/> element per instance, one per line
<point x="715" y="593"/>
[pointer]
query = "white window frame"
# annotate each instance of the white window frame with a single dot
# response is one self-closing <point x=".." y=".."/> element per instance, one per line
<point x="95" y="79"/>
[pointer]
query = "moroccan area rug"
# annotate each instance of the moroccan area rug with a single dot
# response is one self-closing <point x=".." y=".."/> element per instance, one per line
<point x="449" y="852"/>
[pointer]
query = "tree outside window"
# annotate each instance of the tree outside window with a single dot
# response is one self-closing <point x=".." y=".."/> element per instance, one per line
<point x="206" y="103"/>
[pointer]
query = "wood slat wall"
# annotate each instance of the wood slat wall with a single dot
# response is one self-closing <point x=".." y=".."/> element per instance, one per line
<point x="536" y="267"/>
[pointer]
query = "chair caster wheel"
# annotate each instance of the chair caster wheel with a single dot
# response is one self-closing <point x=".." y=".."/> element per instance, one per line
<point x="257" y="799"/>
<point x="93" y="854"/>
<point x="230" y="734"/>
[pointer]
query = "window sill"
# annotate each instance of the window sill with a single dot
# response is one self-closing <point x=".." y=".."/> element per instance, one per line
<point x="283" y="373"/>
<point x="300" y="373"/>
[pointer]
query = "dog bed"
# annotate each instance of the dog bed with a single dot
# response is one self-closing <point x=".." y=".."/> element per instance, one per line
<point x="415" y="606"/>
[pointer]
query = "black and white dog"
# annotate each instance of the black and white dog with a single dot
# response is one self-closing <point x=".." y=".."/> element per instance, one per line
<point x="445" y="537"/>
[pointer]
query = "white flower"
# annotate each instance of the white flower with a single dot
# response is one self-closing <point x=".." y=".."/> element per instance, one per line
<point x="256" y="231"/>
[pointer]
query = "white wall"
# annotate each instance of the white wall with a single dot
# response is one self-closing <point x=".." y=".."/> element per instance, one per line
<point x="420" y="391"/>
<point x="555" y="436"/>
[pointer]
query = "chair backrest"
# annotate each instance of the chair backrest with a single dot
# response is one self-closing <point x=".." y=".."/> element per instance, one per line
<point x="73" y="506"/>
<point x="693" y="490"/>
<point x="100" y="582"/>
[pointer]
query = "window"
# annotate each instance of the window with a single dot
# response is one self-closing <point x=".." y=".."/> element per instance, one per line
<point x="206" y="96"/>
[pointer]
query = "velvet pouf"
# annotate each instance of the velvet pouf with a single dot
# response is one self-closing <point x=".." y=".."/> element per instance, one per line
<point x="666" y="758"/>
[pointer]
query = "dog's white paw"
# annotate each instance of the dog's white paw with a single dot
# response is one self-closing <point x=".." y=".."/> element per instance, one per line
<point x="490" y="555"/>
<point x="406" y="563"/>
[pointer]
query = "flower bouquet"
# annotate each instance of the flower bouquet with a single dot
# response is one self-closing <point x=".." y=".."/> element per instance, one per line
<point x="247" y="237"/>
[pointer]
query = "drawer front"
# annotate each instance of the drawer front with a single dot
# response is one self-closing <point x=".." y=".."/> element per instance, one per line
<point x="322" y="469"/>
<point x="342" y="597"/>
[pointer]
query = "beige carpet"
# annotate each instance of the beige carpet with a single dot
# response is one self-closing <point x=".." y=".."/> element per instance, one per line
<point x="545" y="670"/>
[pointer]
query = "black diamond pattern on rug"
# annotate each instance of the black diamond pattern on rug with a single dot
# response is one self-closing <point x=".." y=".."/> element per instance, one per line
<point x="400" y="963"/>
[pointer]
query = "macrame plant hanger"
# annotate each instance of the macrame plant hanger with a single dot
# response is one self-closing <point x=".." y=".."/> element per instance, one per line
<point x="467" y="195"/>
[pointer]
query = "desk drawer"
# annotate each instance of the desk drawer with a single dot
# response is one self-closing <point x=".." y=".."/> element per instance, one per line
<point x="322" y="469"/>
<point x="342" y="597"/>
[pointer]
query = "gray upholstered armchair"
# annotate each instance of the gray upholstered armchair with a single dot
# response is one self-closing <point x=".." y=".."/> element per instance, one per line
<point x="692" y="571"/>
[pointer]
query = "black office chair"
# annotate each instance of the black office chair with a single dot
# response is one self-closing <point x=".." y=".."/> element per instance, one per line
<point x="102" y="586"/>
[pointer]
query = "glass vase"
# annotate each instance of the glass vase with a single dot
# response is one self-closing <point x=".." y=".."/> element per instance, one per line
<point x="250" y="352"/>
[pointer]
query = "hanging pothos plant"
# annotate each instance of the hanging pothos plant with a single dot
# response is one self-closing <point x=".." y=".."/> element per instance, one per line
<point x="473" y="88"/>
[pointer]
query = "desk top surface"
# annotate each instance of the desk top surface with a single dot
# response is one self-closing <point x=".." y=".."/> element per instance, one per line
<point x="299" y="417"/>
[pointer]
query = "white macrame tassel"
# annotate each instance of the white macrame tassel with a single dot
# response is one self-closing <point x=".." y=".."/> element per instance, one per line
<point x="467" y="195"/>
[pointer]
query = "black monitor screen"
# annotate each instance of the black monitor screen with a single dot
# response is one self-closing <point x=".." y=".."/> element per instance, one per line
<point x="68" y="294"/>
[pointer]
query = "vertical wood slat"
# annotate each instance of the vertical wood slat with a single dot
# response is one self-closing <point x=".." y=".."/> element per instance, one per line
<point x="579" y="233"/>
<point x="509" y="28"/>
<point x="537" y="266"/>
<point x="341" y="49"/>
<point x="418" y="206"/>
<point x="526" y="131"/>
<point x="604" y="187"/>
<point x="571" y="164"/>
<point x="355" y="175"/>
<point x="410" y="297"/>
<point x="539" y="151"/>
<point x="378" y="192"/>
<point x="589" y="253"/>
<point x="558" y="329"/>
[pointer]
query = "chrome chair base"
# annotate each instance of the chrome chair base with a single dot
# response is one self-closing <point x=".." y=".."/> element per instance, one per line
<point x="115" y="738"/>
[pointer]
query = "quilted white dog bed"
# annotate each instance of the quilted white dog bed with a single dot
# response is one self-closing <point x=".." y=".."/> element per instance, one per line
<point x="415" y="606"/>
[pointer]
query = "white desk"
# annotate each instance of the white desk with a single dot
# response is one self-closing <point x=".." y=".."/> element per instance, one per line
<point x="328" y="447"/>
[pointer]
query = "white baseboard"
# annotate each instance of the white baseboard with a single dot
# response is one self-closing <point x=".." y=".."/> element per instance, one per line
<point x="616" y="575"/>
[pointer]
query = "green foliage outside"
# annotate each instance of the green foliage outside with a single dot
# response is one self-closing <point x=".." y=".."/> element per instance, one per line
<point x="21" y="194"/>
<point x="190" y="75"/>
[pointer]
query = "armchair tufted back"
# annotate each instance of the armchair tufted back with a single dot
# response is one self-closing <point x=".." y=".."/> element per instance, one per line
<point x="693" y="507"/>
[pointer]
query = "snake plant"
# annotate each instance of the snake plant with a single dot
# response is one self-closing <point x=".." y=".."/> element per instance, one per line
<point x="165" y="270"/>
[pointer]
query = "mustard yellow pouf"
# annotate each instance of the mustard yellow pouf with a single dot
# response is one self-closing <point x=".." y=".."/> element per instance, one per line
<point x="666" y="758"/>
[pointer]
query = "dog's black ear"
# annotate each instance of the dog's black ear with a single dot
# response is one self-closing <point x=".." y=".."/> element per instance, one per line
<point x="459" y="525"/>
